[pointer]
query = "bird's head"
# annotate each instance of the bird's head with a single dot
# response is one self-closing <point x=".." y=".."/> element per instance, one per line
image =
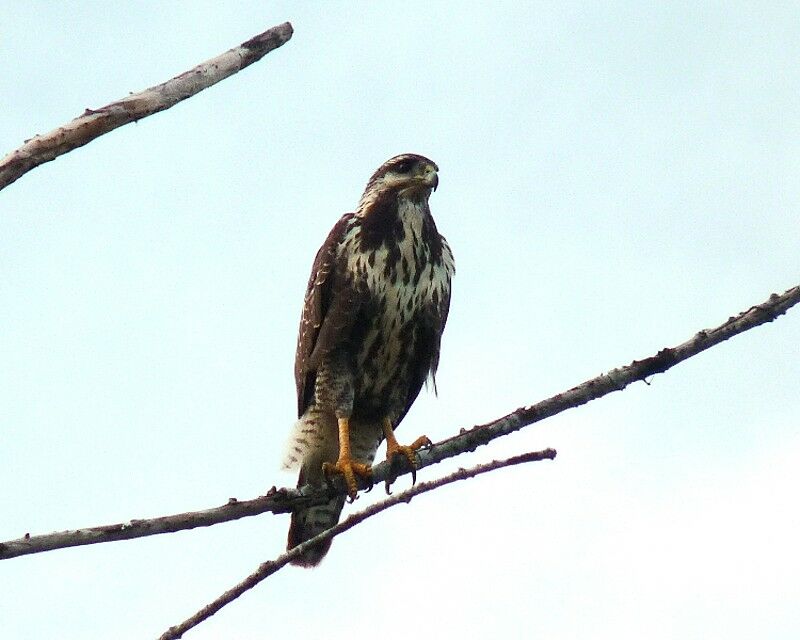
<point x="407" y="175"/>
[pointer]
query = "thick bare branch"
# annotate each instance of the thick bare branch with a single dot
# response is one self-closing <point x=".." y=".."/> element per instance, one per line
<point x="266" y="569"/>
<point x="286" y="500"/>
<point x="95" y="122"/>
<point x="615" y="380"/>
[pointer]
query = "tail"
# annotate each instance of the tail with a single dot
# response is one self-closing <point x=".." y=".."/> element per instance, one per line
<point x="307" y="523"/>
<point x="315" y="441"/>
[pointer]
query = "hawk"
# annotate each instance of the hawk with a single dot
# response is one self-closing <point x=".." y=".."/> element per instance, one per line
<point x="372" y="322"/>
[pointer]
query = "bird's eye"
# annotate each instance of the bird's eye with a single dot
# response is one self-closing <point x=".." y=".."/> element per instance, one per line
<point x="404" y="166"/>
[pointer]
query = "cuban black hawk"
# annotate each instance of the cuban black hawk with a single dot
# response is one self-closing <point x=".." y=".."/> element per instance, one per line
<point x="374" y="313"/>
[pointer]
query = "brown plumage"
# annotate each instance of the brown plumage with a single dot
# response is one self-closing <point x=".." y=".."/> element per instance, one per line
<point x="374" y="313"/>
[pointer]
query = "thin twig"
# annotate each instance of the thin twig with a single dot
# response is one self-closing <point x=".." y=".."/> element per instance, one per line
<point x="95" y="122"/>
<point x="266" y="569"/>
<point x="286" y="500"/>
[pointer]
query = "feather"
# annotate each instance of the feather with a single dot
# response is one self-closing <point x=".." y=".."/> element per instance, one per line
<point x="370" y="334"/>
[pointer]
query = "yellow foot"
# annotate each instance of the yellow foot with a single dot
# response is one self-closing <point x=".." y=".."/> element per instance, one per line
<point x="395" y="452"/>
<point x="349" y="468"/>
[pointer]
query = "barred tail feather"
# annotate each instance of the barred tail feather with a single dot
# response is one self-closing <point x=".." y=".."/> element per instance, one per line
<point x="307" y="523"/>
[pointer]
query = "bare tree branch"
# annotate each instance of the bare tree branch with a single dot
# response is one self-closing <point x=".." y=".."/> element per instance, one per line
<point x="286" y="500"/>
<point x="615" y="380"/>
<point x="95" y="122"/>
<point x="266" y="569"/>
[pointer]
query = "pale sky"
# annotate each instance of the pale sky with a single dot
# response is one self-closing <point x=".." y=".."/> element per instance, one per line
<point x="612" y="180"/>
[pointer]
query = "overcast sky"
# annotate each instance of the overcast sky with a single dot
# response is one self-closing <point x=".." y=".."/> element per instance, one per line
<point x="612" y="180"/>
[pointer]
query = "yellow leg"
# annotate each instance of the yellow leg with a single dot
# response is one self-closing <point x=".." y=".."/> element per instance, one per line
<point x="393" y="448"/>
<point x="345" y="465"/>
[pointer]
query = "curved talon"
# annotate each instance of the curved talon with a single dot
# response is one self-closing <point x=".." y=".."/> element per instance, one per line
<point x="345" y="465"/>
<point x="349" y="468"/>
<point x="409" y="452"/>
<point x="368" y="479"/>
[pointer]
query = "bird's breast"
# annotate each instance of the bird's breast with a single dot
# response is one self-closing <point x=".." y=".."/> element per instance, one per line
<point x="401" y="282"/>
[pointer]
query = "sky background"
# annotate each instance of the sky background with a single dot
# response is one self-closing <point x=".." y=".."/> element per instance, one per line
<point x="613" y="179"/>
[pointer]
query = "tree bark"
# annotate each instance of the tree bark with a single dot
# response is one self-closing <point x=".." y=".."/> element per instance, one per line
<point x="287" y="499"/>
<point x="95" y="122"/>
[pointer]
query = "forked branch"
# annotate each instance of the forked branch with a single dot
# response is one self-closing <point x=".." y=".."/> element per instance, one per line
<point x="287" y="500"/>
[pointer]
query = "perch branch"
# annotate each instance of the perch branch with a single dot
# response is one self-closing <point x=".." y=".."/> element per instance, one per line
<point x="286" y="500"/>
<point x="266" y="569"/>
<point x="95" y="122"/>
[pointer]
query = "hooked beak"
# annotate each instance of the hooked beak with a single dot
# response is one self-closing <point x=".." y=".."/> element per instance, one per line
<point x="431" y="177"/>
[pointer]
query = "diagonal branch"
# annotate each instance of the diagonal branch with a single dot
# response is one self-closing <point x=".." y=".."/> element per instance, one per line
<point x="95" y="122"/>
<point x="266" y="569"/>
<point x="614" y="380"/>
<point x="287" y="500"/>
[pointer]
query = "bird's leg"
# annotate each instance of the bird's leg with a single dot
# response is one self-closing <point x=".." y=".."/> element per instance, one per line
<point x="393" y="448"/>
<point x="345" y="465"/>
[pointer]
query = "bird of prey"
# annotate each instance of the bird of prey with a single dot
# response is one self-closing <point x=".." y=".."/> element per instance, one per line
<point x="372" y="322"/>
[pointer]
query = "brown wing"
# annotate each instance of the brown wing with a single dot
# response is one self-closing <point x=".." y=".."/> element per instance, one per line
<point x="327" y="312"/>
